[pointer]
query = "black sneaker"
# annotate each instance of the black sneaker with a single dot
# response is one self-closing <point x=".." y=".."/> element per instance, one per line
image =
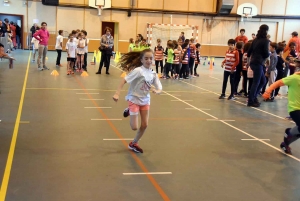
<point x="135" y="147"/>
<point x="269" y="100"/>
<point x="286" y="148"/>
<point x="286" y="136"/>
<point x="126" y="112"/>
<point x="222" y="96"/>
<point x="253" y="104"/>
<point x="231" y="98"/>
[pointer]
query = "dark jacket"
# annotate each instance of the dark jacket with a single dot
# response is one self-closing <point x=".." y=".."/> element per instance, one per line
<point x="259" y="51"/>
<point x="33" y="30"/>
<point x="3" y="30"/>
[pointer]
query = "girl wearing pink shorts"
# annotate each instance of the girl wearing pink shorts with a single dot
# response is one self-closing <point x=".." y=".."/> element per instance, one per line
<point x="141" y="79"/>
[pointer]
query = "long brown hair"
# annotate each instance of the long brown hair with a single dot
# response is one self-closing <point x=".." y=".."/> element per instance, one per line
<point x="132" y="60"/>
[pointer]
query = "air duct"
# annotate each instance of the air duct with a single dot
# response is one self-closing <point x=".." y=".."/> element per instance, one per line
<point x="224" y="7"/>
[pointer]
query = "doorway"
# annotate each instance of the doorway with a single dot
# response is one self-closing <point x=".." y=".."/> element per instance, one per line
<point x="115" y="32"/>
<point x="18" y="20"/>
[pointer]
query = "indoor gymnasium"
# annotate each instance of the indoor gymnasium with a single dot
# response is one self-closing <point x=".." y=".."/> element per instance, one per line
<point x="78" y="79"/>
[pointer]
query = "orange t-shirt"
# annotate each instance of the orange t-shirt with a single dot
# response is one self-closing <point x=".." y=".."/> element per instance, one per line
<point x="243" y="39"/>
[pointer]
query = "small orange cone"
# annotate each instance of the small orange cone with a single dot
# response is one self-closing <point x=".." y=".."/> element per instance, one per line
<point x="123" y="74"/>
<point x="54" y="73"/>
<point x="84" y="74"/>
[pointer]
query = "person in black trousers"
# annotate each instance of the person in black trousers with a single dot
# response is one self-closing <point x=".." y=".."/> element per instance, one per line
<point x="239" y="67"/>
<point x="58" y="47"/>
<point x="107" y="42"/>
<point x="258" y="52"/>
<point x="280" y="67"/>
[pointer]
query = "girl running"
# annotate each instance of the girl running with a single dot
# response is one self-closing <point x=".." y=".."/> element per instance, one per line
<point x="141" y="78"/>
<point x="293" y="83"/>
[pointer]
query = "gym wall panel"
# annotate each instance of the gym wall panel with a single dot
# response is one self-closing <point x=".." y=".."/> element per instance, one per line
<point x="64" y="21"/>
<point x="289" y="27"/>
<point x="121" y="3"/>
<point x="293" y="7"/>
<point x="125" y="23"/>
<point x="143" y="19"/>
<point x="270" y="7"/>
<point x="202" y="5"/>
<point x="176" y="19"/>
<point x="234" y="9"/>
<point x="73" y="1"/>
<point x="154" y="4"/>
<point x="92" y="23"/>
<point x="178" y="5"/>
<point x="257" y="3"/>
<point x="43" y="14"/>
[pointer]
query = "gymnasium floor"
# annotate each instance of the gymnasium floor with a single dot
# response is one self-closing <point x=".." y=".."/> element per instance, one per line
<point x="195" y="144"/>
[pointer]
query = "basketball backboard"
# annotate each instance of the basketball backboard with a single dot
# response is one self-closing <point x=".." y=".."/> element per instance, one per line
<point x="96" y="3"/>
<point x="247" y="9"/>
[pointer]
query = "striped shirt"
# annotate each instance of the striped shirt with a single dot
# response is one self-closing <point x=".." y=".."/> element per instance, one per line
<point x="193" y="50"/>
<point x="159" y="53"/>
<point x="245" y="58"/>
<point x="197" y="59"/>
<point x="176" y="57"/>
<point x="185" y="60"/>
<point x="231" y="60"/>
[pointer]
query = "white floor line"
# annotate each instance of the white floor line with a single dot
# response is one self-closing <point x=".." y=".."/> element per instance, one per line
<point x="87" y="93"/>
<point x="293" y="157"/>
<point x="219" y="120"/>
<point x="214" y="78"/>
<point x="118" y="139"/>
<point x="106" y="119"/>
<point x="97" y="107"/>
<point x="146" y="173"/>
<point x="89" y="99"/>
<point x="207" y="92"/>
<point x="195" y="109"/>
<point x="255" y="139"/>
<point x="167" y="95"/>
<point x="183" y="100"/>
<point x="236" y="101"/>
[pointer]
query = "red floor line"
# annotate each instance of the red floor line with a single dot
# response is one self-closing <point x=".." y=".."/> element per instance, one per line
<point x="125" y="143"/>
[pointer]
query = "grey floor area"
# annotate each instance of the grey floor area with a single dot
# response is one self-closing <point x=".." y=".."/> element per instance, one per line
<point x="61" y="153"/>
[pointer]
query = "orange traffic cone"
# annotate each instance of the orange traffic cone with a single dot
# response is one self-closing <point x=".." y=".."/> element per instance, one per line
<point x="54" y="73"/>
<point x="84" y="74"/>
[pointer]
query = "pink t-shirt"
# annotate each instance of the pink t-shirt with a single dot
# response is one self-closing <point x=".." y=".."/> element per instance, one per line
<point x="42" y="36"/>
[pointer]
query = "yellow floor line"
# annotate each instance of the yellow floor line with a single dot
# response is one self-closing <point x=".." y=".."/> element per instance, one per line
<point x="11" y="152"/>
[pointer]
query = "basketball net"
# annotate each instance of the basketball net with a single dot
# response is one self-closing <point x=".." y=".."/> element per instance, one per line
<point x="100" y="8"/>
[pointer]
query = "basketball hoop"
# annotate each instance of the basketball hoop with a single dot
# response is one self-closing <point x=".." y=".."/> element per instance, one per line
<point x="100" y="8"/>
<point x="247" y="10"/>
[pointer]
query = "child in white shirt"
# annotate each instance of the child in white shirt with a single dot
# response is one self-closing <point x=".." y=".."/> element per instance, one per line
<point x="86" y="49"/>
<point x="141" y="78"/>
<point x="58" y="47"/>
<point x="35" y="46"/>
<point x="71" y="47"/>
<point x="80" y="51"/>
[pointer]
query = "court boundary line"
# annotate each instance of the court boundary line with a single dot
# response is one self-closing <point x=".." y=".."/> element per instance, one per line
<point x="12" y="147"/>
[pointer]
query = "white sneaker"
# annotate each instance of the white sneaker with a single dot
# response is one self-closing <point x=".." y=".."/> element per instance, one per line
<point x="39" y="68"/>
<point x="45" y="67"/>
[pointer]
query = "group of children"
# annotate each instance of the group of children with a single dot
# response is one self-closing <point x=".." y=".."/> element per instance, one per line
<point x="76" y="47"/>
<point x="236" y="66"/>
<point x="181" y="57"/>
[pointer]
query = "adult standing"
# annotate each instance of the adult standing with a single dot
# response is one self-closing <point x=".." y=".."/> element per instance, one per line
<point x="106" y="44"/>
<point x="6" y="23"/>
<point x="181" y="36"/>
<point x="258" y="52"/>
<point x="2" y="29"/>
<point x="42" y="35"/>
<point x="33" y="29"/>
<point x="242" y="37"/>
<point x="294" y="39"/>
<point x="18" y="36"/>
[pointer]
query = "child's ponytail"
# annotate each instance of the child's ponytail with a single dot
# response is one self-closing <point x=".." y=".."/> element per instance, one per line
<point x="132" y="60"/>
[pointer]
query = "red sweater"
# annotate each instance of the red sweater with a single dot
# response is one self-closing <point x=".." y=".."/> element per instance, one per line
<point x="231" y="60"/>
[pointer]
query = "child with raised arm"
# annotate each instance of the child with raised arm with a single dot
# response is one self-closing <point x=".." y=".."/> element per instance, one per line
<point x="141" y="79"/>
<point x="293" y="83"/>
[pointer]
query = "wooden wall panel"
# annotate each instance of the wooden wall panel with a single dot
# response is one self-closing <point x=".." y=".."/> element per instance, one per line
<point x="143" y="19"/>
<point x="178" y="5"/>
<point x="202" y="5"/>
<point x="125" y="24"/>
<point x="293" y="7"/>
<point x="289" y="27"/>
<point x="154" y="4"/>
<point x="93" y="23"/>
<point x="271" y="7"/>
<point x="43" y="14"/>
<point x="120" y="3"/>
<point x="73" y="1"/>
<point x="64" y="13"/>
<point x="176" y="19"/>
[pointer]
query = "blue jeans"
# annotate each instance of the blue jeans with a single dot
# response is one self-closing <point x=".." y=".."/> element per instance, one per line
<point x="258" y="81"/>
